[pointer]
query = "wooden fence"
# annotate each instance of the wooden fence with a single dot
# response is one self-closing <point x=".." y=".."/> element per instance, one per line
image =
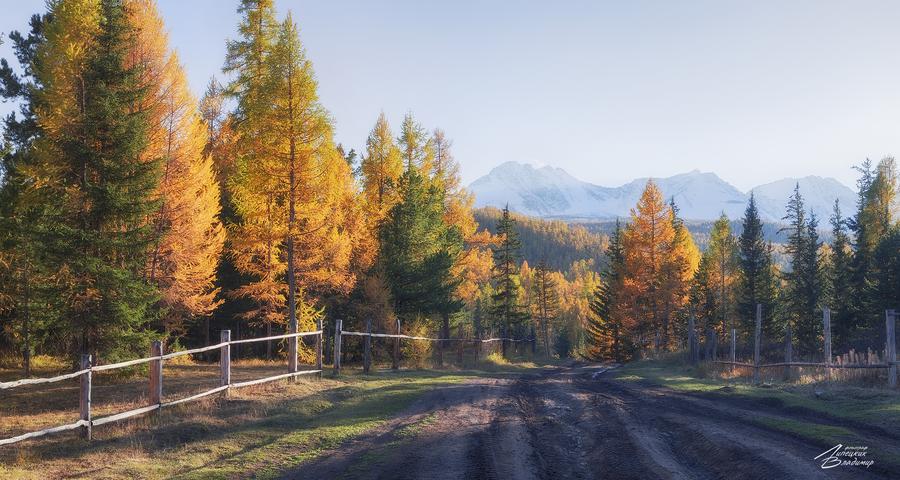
<point x="85" y="423"/>
<point x="368" y="336"/>
<point x="844" y="362"/>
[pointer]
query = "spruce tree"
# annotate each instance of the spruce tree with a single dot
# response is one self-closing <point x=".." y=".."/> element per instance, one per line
<point x="804" y="279"/>
<point x="101" y="238"/>
<point x="418" y="250"/>
<point x="839" y="286"/>
<point x="756" y="282"/>
<point x="606" y="327"/>
<point x="507" y="309"/>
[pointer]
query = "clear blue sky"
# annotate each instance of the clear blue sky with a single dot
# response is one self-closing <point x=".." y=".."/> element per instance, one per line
<point x="752" y="90"/>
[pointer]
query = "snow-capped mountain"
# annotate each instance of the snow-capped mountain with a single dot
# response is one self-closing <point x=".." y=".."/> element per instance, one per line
<point x="552" y="192"/>
<point x="818" y="194"/>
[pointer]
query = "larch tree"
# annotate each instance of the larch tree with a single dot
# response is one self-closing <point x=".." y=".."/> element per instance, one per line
<point x="648" y="239"/>
<point x="678" y="267"/>
<point x="546" y="302"/>
<point x="184" y="259"/>
<point x="257" y="231"/>
<point x="723" y="273"/>
<point x="416" y="148"/>
<point x="380" y="169"/>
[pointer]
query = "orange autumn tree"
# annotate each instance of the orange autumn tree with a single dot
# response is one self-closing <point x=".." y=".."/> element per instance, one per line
<point x="647" y="240"/>
<point x="293" y="194"/>
<point x="183" y="262"/>
<point x="679" y="265"/>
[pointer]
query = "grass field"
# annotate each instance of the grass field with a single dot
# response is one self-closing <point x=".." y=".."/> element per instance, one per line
<point x="261" y="429"/>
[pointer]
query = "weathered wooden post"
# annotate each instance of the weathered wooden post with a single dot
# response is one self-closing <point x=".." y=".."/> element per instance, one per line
<point x="292" y="347"/>
<point x="396" y="364"/>
<point x="319" y="348"/>
<point x="367" y="347"/>
<point x="826" y="328"/>
<point x="890" y="319"/>
<point x="478" y="344"/>
<point x="756" y="334"/>
<point x="225" y="360"/>
<point x="156" y="350"/>
<point x="459" y="348"/>
<point x="336" y="361"/>
<point x="788" y="352"/>
<point x="733" y="347"/>
<point x="692" y="341"/>
<point x="533" y="342"/>
<point x="84" y="399"/>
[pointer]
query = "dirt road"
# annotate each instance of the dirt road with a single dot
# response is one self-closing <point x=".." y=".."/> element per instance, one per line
<point x="578" y="423"/>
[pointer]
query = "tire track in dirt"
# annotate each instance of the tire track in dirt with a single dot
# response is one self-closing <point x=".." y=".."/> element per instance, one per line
<point x="572" y="423"/>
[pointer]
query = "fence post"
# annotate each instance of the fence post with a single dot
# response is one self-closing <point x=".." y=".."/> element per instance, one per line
<point x="826" y="328"/>
<point x="337" y="346"/>
<point x="788" y="352"/>
<point x="85" y="397"/>
<point x="478" y="344"/>
<point x="293" y="343"/>
<point x="756" y="334"/>
<point x="225" y="360"/>
<point x="533" y="342"/>
<point x="367" y="343"/>
<point x="733" y="347"/>
<point x="459" y="348"/>
<point x="156" y="350"/>
<point x="396" y="364"/>
<point x="319" y="349"/>
<point x="692" y="340"/>
<point x="890" y="319"/>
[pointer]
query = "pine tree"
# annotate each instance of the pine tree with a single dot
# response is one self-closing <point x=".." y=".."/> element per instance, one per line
<point x="755" y="281"/>
<point x="507" y="307"/>
<point x="839" y="281"/>
<point x="546" y="302"/>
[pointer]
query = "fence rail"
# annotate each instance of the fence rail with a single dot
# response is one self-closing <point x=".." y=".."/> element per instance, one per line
<point x="85" y="423"/>
<point x="890" y="349"/>
<point x="368" y="335"/>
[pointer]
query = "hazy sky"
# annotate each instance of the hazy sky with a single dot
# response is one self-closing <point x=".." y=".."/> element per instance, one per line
<point x="609" y="91"/>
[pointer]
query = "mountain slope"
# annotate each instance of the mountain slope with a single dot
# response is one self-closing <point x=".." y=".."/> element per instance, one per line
<point x="818" y="194"/>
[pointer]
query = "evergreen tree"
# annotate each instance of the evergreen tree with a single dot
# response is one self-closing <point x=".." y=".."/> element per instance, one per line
<point x="803" y="282"/>
<point x="546" y="299"/>
<point x="839" y="285"/>
<point x="100" y="238"/>
<point x="607" y="327"/>
<point x="507" y="306"/>
<point x="756" y="281"/>
<point x="418" y="251"/>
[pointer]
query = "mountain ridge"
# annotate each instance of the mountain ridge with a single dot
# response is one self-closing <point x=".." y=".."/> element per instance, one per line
<point x="551" y="192"/>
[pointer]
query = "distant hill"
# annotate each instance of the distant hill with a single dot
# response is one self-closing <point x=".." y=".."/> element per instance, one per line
<point x="550" y="192"/>
<point x="558" y="242"/>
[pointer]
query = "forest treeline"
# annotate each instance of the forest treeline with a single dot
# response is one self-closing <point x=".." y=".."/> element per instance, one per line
<point x="131" y="211"/>
<point x="656" y="278"/>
